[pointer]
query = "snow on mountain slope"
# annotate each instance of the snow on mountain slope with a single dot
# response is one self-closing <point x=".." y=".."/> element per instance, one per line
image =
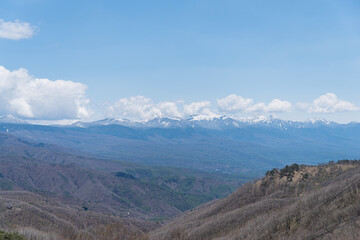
<point x="195" y="121"/>
<point x="11" y="119"/>
<point x="218" y="122"/>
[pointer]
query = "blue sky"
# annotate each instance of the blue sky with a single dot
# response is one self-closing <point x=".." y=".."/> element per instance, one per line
<point x="184" y="52"/>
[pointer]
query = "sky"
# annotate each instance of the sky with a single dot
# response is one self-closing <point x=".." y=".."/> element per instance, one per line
<point x="142" y="59"/>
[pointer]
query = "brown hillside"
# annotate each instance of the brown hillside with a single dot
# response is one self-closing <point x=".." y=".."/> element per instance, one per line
<point x="45" y="218"/>
<point x="96" y="191"/>
<point x="114" y="187"/>
<point x="297" y="202"/>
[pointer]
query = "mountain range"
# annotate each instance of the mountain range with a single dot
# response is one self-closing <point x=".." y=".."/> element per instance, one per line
<point x="124" y="179"/>
<point x="222" y="122"/>
<point x="228" y="145"/>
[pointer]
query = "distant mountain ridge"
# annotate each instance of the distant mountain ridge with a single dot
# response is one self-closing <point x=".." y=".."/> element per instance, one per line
<point x="222" y="122"/>
<point x="247" y="146"/>
<point x="11" y="119"/>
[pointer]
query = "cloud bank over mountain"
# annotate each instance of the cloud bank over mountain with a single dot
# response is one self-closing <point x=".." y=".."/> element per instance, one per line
<point x="140" y="107"/>
<point x="16" y="30"/>
<point x="235" y="104"/>
<point x="328" y="103"/>
<point x="26" y="96"/>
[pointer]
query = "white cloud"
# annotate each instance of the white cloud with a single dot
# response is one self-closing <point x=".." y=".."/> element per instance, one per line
<point x="16" y="30"/>
<point x="200" y="110"/>
<point x="197" y="108"/>
<point x="169" y="109"/>
<point x="26" y="96"/>
<point x="234" y="103"/>
<point x="142" y="108"/>
<point x="278" y="105"/>
<point x="275" y="106"/>
<point x="237" y="104"/>
<point x="328" y="103"/>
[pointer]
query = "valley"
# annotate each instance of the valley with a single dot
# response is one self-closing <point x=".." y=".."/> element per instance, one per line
<point x="226" y="145"/>
<point x="76" y="182"/>
<point x="179" y="120"/>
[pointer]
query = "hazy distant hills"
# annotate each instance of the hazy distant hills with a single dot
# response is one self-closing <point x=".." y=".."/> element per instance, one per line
<point x="113" y="187"/>
<point x="297" y="202"/>
<point x="247" y="146"/>
<point x="56" y="194"/>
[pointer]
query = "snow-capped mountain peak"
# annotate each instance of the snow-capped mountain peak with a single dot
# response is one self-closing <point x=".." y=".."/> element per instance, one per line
<point x="259" y="119"/>
<point x="102" y="122"/>
<point x="210" y="122"/>
<point x="11" y="119"/>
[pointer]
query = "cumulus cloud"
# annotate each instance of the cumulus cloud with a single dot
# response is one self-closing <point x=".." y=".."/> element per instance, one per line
<point x="234" y="103"/>
<point x="16" y="30"/>
<point x="197" y="108"/>
<point x="328" y="103"/>
<point x="169" y="109"/>
<point x="237" y="104"/>
<point x="275" y="106"/>
<point x="200" y="110"/>
<point x="26" y="96"/>
<point x="142" y="108"/>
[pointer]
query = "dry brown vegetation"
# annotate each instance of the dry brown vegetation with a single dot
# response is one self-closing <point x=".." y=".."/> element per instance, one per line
<point x="113" y="187"/>
<point x="40" y="218"/>
<point x="55" y="195"/>
<point x="297" y="202"/>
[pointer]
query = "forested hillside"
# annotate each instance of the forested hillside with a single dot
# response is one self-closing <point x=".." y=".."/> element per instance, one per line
<point x="296" y="202"/>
